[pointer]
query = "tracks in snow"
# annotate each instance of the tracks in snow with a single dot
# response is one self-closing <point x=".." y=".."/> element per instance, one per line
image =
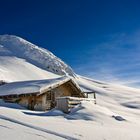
<point x="37" y="128"/>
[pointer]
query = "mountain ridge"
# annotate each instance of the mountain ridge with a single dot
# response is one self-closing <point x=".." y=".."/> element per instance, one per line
<point x="11" y="45"/>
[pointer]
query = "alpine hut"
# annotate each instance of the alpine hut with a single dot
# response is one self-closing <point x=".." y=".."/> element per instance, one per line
<point x="40" y="95"/>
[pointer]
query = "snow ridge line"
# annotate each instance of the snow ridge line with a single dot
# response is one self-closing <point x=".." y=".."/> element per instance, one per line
<point x="37" y="128"/>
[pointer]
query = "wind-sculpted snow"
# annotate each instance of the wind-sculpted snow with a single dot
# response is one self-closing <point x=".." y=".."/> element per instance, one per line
<point x="86" y="121"/>
<point x="15" y="46"/>
<point x="59" y="135"/>
<point x="17" y="69"/>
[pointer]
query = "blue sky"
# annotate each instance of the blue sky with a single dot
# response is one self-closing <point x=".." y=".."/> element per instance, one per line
<point x="97" y="38"/>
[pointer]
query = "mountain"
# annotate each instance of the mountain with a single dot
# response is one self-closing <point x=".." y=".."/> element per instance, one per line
<point x="19" y="57"/>
<point x="116" y="113"/>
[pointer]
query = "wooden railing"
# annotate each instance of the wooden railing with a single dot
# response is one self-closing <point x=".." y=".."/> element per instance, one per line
<point x="67" y="103"/>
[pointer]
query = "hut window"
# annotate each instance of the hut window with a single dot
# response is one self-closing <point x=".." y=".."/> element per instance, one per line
<point x="48" y="96"/>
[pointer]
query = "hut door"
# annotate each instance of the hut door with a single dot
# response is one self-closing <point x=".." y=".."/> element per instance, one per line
<point x="50" y="100"/>
<point x="53" y="99"/>
<point x="31" y="103"/>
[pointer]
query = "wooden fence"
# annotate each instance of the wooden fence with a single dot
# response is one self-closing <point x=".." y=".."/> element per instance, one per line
<point x="67" y="103"/>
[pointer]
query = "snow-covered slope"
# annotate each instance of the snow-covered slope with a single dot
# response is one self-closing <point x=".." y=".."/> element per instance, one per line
<point x="127" y="97"/>
<point x="12" y="48"/>
<point x="107" y="120"/>
<point x="17" y="69"/>
<point x="114" y="117"/>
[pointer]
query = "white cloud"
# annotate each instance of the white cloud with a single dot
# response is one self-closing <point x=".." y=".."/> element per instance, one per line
<point x="117" y="60"/>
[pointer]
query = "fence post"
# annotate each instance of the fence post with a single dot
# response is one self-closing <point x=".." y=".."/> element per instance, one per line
<point x="95" y="97"/>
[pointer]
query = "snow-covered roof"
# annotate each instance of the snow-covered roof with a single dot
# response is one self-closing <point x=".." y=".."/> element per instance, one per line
<point x="36" y="86"/>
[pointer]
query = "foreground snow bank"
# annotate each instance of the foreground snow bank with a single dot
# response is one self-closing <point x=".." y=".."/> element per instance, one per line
<point x="86" y="121"/>
<point x="89" y="111"/>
